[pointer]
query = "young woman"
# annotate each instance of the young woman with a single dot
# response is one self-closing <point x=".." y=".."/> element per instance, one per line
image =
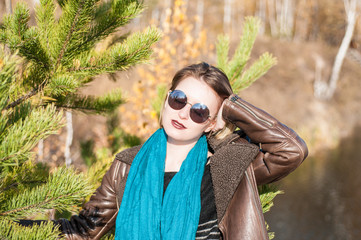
<point x="194" y="178"/>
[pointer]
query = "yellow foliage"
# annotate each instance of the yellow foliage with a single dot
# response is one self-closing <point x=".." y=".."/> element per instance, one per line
<point x="179" y="47"/>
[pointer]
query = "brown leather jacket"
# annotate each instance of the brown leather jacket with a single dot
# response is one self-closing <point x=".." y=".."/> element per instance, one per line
<point x="279" y="151"/>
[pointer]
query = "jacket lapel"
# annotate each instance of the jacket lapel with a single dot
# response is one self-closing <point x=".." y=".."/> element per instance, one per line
<point x="228" y="164"/>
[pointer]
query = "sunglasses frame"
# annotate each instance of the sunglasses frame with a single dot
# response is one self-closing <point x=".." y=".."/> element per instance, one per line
<point x="192" y="110"/>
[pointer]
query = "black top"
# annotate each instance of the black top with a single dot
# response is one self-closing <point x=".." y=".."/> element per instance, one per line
<point x="208" y="224"/>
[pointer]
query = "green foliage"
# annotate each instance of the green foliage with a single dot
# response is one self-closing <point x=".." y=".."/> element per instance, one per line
<point x="235" y="67"/>
<point x="103" y="104"/>
<point x="110" y="235"/>
<point x="18" y="179"/>
<point x="11" y="230"/>
<point x="267" y="193"/>
<point x="20" y="137"/>
<point x="41" y="72"/>
<point x="62" y="54"/>
<point x="157" y="103"/>
<point x="62" y="191"/>
<point x="87" y="152"/>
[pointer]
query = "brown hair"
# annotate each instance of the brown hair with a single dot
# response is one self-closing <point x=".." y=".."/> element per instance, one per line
<point x="214" y="78"/>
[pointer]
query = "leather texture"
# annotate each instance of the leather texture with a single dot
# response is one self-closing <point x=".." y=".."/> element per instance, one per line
<point x="277" y="150"/>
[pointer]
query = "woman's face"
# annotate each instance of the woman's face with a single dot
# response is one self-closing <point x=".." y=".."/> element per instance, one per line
<point x="178" y="125"/>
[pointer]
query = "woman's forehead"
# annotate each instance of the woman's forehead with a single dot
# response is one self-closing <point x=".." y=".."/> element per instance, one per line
<point x="198" y="91"/>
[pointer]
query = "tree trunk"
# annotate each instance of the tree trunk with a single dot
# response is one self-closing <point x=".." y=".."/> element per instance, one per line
<point x="164" y="13"/>
<point x="261" y="13"/>
<point x="8" y="6"/>
<point x="227" y="17"/>
<point x="302" y="19"/>
<point x="41" y="150"/>
<point x="286" y="11"/>
<point x="69" y="138"/>
<point x="351" y="11"/>
<point x="272" y="18"/>
<point x="200" y="17"/>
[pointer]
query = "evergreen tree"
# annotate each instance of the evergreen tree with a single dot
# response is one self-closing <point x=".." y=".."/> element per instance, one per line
<point x="41" y="70"/>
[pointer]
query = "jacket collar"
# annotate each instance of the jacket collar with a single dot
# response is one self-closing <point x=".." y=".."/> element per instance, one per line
<point x="231" y="158"/>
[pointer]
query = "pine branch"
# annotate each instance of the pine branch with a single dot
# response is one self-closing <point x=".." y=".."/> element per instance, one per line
<point x="32" y="50"/>
<point x="257" y="70"/>
<point x="23" y="135"/>
<point x="136" y="49"/>
<point x="244" y="48"/>
<point x="103" y="104"/>
<point x="46" y="23"/>
<point x="97" y="171"/>
<point x="20" y="112"/>
<point x="69" y="33"/>
<point x="25" y="176"/>
<point x="8" y="68"/>
<point x="222" y="49"/>
<point x="22" y="98"/>
<point x="12" y="230"/>
<point x="158" y="102"/>
<point x="63" y="191"/>
<point x="19" y="37"/>
<point x="20" y="20"/>
<point x="62" y="85"/>
<point x="267" y="193"/>
<point x="106" y="21"/>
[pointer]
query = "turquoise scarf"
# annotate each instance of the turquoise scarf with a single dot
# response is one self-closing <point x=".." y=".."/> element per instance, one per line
<point x="144" y="213"/>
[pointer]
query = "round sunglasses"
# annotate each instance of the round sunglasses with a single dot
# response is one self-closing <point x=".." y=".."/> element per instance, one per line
<point x="199" y="112"/>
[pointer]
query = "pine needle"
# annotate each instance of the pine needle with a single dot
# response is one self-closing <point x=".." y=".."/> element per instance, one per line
<point x="63" y="190"/>
<point x="11" y="230"/>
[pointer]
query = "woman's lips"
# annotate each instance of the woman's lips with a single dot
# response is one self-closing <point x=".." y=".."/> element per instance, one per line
<point x="178" y="125"/>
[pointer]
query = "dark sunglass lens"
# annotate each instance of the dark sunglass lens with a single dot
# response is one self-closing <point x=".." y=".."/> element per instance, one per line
<point x="177" y="99"/>
<point x="199" y="113"/>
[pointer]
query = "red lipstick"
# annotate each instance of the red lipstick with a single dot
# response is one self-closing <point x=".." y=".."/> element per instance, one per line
<point x="178" y="125"/>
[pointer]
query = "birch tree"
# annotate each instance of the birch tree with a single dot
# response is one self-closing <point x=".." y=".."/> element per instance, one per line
<point x="8" y="6"/>
<point x="200" y="17"/>
<point x="261" y="13"/>
<point x="281" y="17"/>
<point x="330" y="87"/>
<point x="227" y="17"/>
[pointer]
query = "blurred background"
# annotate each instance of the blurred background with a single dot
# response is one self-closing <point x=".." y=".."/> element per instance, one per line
<point x="321" y="200"/>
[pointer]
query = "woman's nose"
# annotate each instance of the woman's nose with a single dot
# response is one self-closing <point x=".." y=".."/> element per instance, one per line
<point x="184" y="112"/>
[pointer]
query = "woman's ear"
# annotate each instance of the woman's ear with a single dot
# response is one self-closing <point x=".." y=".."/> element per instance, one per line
<point x="211" y="126"/>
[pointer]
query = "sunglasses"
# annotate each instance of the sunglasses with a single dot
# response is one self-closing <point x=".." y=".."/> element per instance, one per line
<point x="199" y="113"/>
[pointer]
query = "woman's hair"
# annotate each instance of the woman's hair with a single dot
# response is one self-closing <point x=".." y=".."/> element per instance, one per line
<point x="214" y="78"/>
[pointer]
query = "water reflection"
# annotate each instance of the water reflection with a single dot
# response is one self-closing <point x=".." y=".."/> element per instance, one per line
<point x="322" y="199"/>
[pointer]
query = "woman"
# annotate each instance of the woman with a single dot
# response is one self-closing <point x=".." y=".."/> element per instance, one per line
<point x="194" y="178"/>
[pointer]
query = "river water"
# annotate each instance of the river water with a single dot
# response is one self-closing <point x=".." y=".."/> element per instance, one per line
<point x="322" y="197"/>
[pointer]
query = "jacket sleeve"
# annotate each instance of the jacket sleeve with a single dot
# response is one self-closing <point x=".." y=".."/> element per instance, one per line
<point x="281" y="149"/>
<point x="99" y="214"/>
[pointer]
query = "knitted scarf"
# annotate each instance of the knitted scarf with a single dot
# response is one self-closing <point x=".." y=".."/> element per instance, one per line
<point x="144" y="213"/>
